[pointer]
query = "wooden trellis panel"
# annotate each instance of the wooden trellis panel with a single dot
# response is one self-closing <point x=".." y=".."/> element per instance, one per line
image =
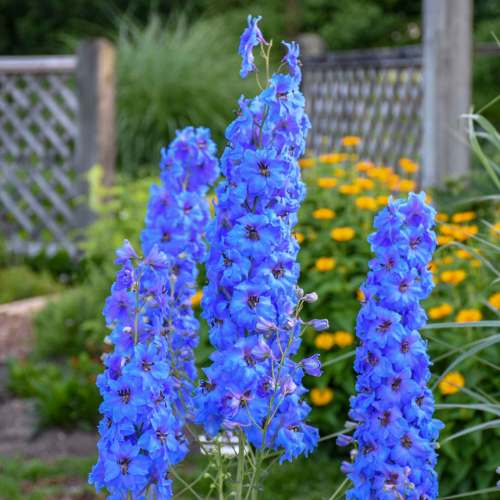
<point x="373" y="94"/>
<point x="56" y="121"/>
<point x="38" y="133"/>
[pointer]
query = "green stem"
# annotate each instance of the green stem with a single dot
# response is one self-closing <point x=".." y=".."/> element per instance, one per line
<point x="241" y="467"/>
<point x="220" y="473"/>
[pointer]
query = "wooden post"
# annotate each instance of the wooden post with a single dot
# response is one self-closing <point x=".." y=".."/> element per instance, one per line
<point x="95" y="76"/>
<point x="447" y="88"/>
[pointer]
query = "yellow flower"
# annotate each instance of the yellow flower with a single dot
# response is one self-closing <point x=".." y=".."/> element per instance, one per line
<point x="444" y="240"/>
<point x="196" y="298"/>
<point x="380" y="172"/>
<point x="332" y="158"/>
<point x="432" y="266"/>
<point x="360" y="295"/>
<point x="366" y="203"/>
<point x="363" y="166"/>
<point x="325" y="264"/>
<point x="453" y="277"/>
<point x="440" y="312"/>
<point x="409" y="166"/>
<point x="327" y="182"/>
<point x="463" y="216"/>
<point x="468" y="316"/>
<point x="382" y="200"/>
<point x="350" y="140"/>
<point x="344" y="339"/>
<point x="342" y="233"/>
<point x="442" y="217"/>
<point x="299" y="237"/>
<point x="406" y="185"/>
<point x="325" y="340"/>
<point x="475" y="263"/>
<point x="451" y="383"/>
<point x="495" y="229"/>
<point x="349" y="189"/>
<point x="463" y="254"/>
<point x="321" y="396"/>
<point x="323" y="214"/>
<point x="447" y="260"/>
<point x="307" y="162"/>
<point x="494" y="300"/>
<point x="363" y="183"/>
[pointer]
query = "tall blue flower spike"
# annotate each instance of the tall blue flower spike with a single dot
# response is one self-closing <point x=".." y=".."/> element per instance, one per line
<point x="148" y="380"/>
<point x="251" y="299"/>
<point x="395" y="435"/>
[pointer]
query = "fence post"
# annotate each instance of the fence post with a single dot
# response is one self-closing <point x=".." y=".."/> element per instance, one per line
<point x="447" y="66"/>
<point x="95" y="78"/>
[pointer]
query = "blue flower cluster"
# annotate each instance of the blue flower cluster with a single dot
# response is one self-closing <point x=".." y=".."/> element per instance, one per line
<point x="395" y="455"/>
<point x="148" y="380"/>
<point x="251" y="298"/>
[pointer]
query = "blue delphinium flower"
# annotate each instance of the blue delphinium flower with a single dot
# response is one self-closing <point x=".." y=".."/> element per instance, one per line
<point x="251" y="299"/>
<point x="251" y="38"/>
<point x="148" y="382"/>
<point x="395" y="434"/>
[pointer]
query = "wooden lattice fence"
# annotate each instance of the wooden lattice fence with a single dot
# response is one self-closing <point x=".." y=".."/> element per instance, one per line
<point x="52" y="113"/>
<point x="374" y="94"/>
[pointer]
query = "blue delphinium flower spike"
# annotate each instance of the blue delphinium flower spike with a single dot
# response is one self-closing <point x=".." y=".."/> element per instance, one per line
<point x="395" y="435"/>
<point x="251" y="38"/>
<point x="148" y="381"/>
<point x="250" y="301"/>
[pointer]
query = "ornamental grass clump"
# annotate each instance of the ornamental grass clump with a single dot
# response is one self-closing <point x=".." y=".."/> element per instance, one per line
<point x="149" y="377"/>
<point x="395" y="436"/>
<point x="253" y="387"/>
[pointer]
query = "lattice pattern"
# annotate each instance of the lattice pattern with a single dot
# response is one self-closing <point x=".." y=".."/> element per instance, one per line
<point x="381" y="103"/>
<point x="39" y="188"/>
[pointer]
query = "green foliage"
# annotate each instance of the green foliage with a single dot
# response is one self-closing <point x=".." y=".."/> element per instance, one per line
<point x="21" y="282"/>
<point x="171" y="75"/>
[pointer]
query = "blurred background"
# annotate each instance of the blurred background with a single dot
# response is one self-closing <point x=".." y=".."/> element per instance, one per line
<point x="89" y="93"/>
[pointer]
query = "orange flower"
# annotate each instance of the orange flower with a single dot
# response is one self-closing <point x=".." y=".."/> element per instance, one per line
<point x="325" y="340"/>
<point x="327" y="182"/>
<point x="440" y="312"/>
<point x="364" y="183"/>
<point x="350" y="140"/>
<point x="463" y="216"/>
<point x="463" y="254"/>
<point x="469" y="316"/>
<point x="349" y="189"/>
<point x="321" y="396"/>
<point x="406" y="185"/>
<point x="409" y="166"/>
<point x="442" y="217"/>
<point x="339" y="172"/>
<point x="196" y="298"/>
<point x="307" y="162"/>
<point x="299" y="237"/>
<point x="494" y="300"/>
<point x="363" y="166"/>
<point x="332" y="158"/>
<point x="366" y="203"/>
<point x="323" y="214"/>
<point x="444" y="240"/>
<point x="360" y="295"/>
<point x="344" y="339"/>
<point x="452" y="382"/>
<point x="325" y="264"/>
<point x="342" y="233"/>
<point x="453" y="277"/>
<point x="382" y="200"/>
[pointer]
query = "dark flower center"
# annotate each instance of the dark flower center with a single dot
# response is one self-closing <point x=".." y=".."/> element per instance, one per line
<point x="396" y="384"/>
<point x="161" y="436"/>
<point x="249" y="360"/>
<point x="384" y="326"/>
<point x="403" y="287"/>
<point x="124" y="395"/>
<point x="124" y="463"/>
<point x="406" y="441"/>
<point x="405" y="346"/>
<point x="419" y="400"/>
<point x="372" y="359"/>
<point x="414" y="242"/>
<point x="147" y="365"/>
<point x="278" y="271"/>
<point x="368" y="449"/>
<point x="385" y="419"/>
<point x="166" y="236"/>
<point x="207" y="386"/>
<point x="252" y="233"/>
<point x="252" y="301"/>
<point x="263" y="169"/>
<point x="390" y="263"/>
